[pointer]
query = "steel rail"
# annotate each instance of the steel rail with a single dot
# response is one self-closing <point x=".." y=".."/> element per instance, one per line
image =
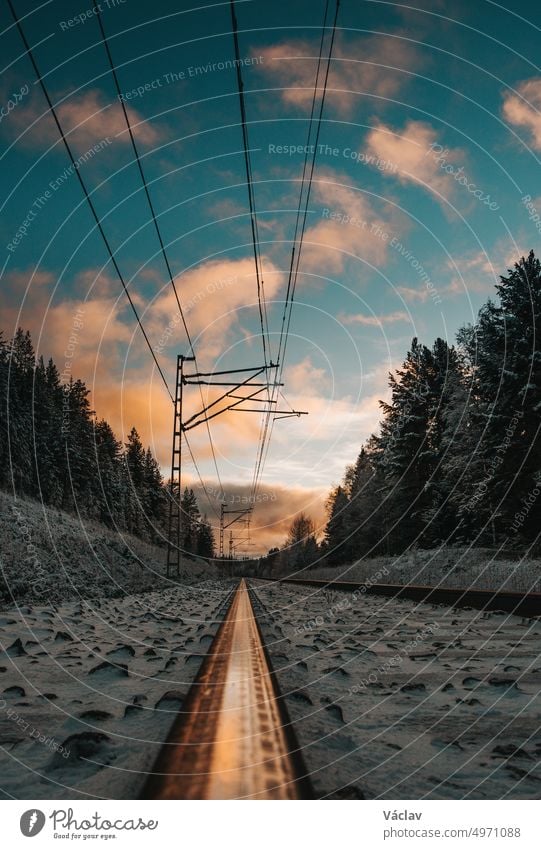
<point x="233" y="738"/>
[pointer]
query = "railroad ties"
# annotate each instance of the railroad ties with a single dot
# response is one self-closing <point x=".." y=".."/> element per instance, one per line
<point x="233" y="738"/>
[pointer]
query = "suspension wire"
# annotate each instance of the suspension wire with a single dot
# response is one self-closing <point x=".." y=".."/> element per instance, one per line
<point x="100" y="226"/>
<point x="318" y="130"/>
<point x="87" y="196"/>
<point x="141" y="172"/>
<point x="263" y="315"/>
<point x="304" y="168"/>
<point x="263" y="319"/>
<point x="201" y="481"/>
<point x="296" y="252"/>
<point x="265" y="431"/>
<point x="154" y="217"/>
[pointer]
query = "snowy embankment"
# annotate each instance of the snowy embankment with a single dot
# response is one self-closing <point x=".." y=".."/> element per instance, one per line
<point x="396" y="700"/>
<point x="88" y="690"/>
<point x="97" y="652"/>
<point x="452" y="566"/>
<point x="49" y="556"/>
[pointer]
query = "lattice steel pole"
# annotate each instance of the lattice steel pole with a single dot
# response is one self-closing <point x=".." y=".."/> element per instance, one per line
<point x="174" y="534"/>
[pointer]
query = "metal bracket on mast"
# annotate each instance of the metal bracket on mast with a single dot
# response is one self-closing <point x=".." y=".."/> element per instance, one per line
<point x="174" y="535"/>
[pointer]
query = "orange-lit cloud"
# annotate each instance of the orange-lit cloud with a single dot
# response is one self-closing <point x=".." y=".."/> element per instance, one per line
<point x="523" y="109"/>
<point x="215" y="296"/>
<point x="411" y="295"/>
<point x="85" y="119"/>
<point x="274" y="509"/>
<point x="480" y="272"/>
<point x="375" y="320"/>
<point x="412" y="155"/>
<point x="372" y="65"/>
<point x="346" y="228"/>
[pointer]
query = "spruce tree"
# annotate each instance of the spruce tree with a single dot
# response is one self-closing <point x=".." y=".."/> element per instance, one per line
<point x="190" y="521"/>
<point x="205" y="539"/>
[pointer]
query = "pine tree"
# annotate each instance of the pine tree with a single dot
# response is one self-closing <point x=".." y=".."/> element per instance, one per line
<point x="4" y="453"/>
<point x="519" y="396"/>
<point x="338" y="528"/>
<point x="505" y="365"/>
<point x="79" y="458"/>
<point x="411" y="442"/>
<point x="367" y="519"/>
<point x="205" y="539"/>
<point x="108" y="484"/>
<point x="52" y="449"/>
<point x="135" y="488"/>
<point x="190" y="521"/>
<point x="21" y="362"/>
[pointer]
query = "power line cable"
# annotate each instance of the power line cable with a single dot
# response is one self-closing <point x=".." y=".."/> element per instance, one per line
<point x="87" y="196"/>
<point x="251" y="196"/>
<point x="153" y="213"/>
<point x="296" y="252"/>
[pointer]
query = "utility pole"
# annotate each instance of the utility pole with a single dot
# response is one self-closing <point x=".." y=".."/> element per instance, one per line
<point x="235" y="394"/>
<point x="174" y="535"/>
<point x="238" y="514"/>
<point x="221" y="549"/>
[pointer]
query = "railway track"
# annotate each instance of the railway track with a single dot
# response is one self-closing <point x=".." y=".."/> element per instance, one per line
<point x="233" y="738"/>
<point x="519" y="604"/>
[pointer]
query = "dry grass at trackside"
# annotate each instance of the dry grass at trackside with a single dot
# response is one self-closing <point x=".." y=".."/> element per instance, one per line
<point x="49" y="556"/>
<point x="458" y="567"/>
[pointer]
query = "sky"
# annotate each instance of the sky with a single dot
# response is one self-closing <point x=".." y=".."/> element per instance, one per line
<point x="426" y="188"/>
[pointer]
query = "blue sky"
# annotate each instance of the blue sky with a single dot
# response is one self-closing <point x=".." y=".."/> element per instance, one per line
<point x="430" y="141"/>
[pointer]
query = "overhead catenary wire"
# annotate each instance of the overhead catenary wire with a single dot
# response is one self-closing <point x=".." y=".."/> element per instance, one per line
<point x="99" y="225"/>
<point x="267" y="421"/>
<point x="309" y="189"/>
<point x="251" y="196"/>
<point x="298" y="238"/>
<point x="154" y="219"/>
<point x="263" y="316"/>
<point x="198" y="473"/>
<point x="87" y="195"/>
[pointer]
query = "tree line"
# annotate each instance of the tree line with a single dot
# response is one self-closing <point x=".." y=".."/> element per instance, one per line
<point x="54" y="449"/>
<point x="457" y="458"/>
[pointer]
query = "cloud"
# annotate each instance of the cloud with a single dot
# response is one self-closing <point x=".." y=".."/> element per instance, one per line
<point x="480" y="272"/>
<point x="86" y="119"/>
<point x="412" y="295"/>
<point x="412" y="156"/>
<point x="346" y="226"/>
<point x="317" y="447"/>
<point x="375" y="320"/>
<point x="102" y="329"/>
<point x="523" y="109"/>
<point x="15" y="282"/>
<point x="273" y="511"/>
<point x="305" y="377"/>
<point x="110" y="355"/>
<point x="215" y="297"/>
<point x="381" y="72"/>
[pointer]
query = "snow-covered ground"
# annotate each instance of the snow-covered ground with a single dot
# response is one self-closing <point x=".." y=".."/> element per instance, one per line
<point x="391" y="699"/>
<point x="88" y="690"/>
<point x="451" y="566"/>
<point x="47" y="556"/>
